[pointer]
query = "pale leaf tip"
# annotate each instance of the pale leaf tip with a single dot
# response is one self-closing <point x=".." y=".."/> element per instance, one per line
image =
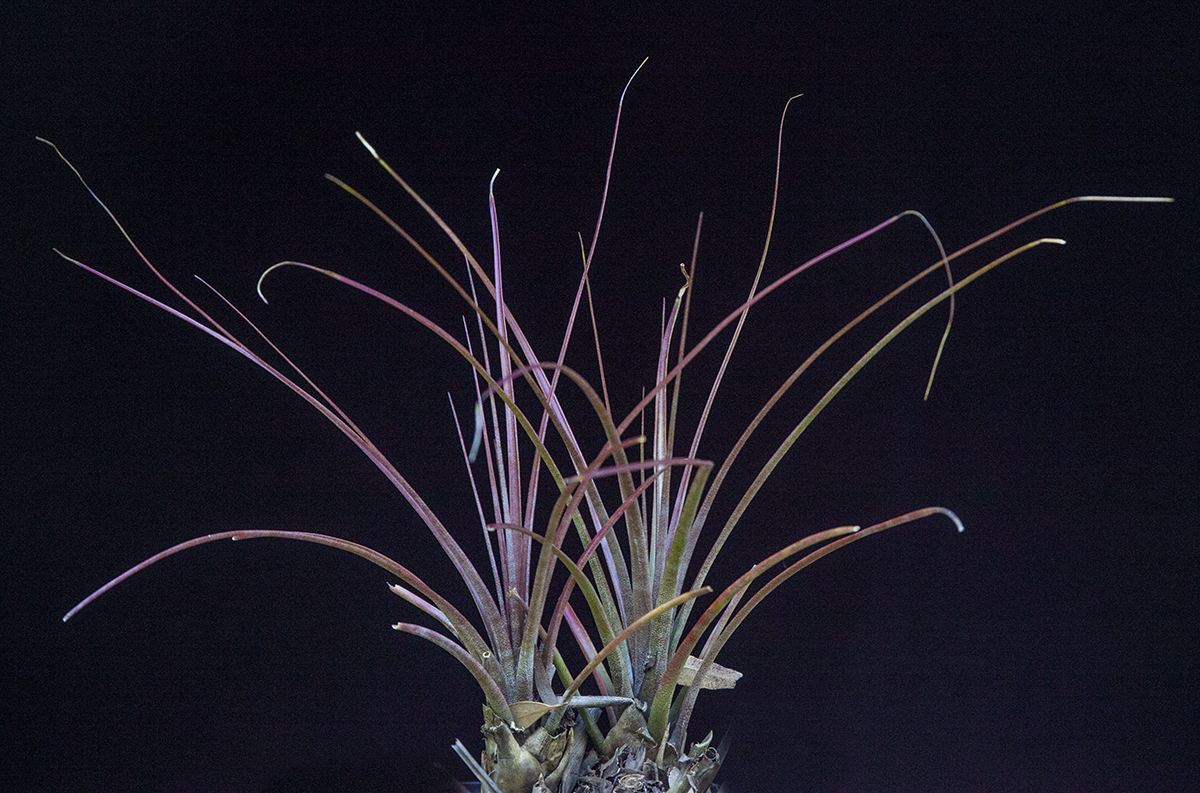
<point x="76" y="609"/>
<point x="1128" y="199"/>
<point x="363" y="141"/>
<point x="477" y="438"/>
<point x="958" y="524"/>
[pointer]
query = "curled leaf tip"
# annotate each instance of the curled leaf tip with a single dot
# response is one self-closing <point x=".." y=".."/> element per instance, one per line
<point x="259" y="285"/>
<point x="958" y="524"/>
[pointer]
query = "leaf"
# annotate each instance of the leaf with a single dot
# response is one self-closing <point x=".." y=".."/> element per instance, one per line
<point x="526" y="712"/>
<point x="717" y="676"/>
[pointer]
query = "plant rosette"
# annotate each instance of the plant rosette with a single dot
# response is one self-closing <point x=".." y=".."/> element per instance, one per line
<point x="626" y="521"/>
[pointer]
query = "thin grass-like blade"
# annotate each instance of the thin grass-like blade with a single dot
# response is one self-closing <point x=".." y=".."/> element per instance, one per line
<point x="723" y="632"/>
<point x="659" y="707"/>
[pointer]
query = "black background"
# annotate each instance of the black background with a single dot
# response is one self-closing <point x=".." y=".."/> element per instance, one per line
<point x="1053" y="646"/>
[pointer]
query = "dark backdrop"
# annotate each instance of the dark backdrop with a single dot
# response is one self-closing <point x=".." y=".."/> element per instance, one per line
<point x="1053" y="646"/>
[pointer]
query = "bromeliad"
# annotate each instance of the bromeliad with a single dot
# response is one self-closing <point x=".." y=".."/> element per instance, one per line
<point x="626" y="523"/>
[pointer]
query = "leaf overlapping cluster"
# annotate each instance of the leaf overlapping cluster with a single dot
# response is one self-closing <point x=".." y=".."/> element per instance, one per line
<point x="634" y="510"/>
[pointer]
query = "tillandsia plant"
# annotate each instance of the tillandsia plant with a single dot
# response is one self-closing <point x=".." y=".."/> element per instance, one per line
<point x="588" y="678"/>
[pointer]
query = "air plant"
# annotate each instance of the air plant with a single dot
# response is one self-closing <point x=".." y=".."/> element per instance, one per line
<point x="625" y="523"/>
